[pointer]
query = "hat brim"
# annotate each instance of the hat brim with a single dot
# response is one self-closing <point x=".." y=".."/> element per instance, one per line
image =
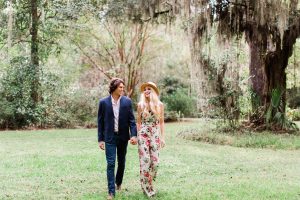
<point x="149" y="85"/>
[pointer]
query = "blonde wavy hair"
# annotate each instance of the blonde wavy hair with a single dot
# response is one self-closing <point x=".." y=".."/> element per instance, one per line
<point x="153" y="106"/>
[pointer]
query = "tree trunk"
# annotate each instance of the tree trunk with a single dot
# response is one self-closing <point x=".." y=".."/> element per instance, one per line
<point x="267" y="71"/>
<point x="34" y="50"/>
<point x="257" y="75"/>
<point x="276" y="64"/>
<point x="9" y="25"/>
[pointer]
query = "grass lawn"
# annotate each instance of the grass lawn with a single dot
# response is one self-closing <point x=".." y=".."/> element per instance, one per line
<point x="249" y="139"/>
<point x="67" y="164"/>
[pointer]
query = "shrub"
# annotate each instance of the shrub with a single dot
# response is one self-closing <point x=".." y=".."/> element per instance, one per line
<point x="59" y="105"/>
<point x="294" y="102"/>
<point x="83" y="106"/>
<point x="293" y="114"/>
<point x="18" y="108"/>
<point x="171" y="116"/>
<point x="180" y="102"/>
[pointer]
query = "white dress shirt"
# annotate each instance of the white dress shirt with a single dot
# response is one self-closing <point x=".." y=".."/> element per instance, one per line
<point x="116" y="109"/>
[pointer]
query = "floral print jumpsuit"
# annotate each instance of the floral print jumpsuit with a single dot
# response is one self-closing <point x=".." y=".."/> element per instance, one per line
<point x="148" y="145"/>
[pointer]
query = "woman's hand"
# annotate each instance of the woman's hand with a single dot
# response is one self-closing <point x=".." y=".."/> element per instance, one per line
<point x="133" y="140"/>
<point x="162" y="143"/>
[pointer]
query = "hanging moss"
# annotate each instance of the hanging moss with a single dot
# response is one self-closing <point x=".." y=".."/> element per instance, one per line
<point x="271" y="28"/>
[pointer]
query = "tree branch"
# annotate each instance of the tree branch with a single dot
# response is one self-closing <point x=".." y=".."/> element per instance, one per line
<point x="156" y="14"/>
<point x="92" y="61"/>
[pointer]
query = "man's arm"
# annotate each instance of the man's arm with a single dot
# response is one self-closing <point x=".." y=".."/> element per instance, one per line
<point x="132" y="125"/>
<point x="100" y="122"/>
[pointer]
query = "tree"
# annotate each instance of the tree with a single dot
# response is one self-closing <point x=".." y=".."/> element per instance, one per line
<point x="118" y="52"/>
<point x="31" y="32"/>
<point x="121" y="48"/>
<point x="271" y="29"/>
<point x="35" y="50"/>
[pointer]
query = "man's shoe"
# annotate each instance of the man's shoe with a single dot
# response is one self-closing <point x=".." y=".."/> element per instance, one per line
<point x="118" y="187"/>
<point x="110" y="197"/>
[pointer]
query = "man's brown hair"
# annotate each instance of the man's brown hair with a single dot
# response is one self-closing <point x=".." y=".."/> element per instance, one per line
<point x="114" y="84"/>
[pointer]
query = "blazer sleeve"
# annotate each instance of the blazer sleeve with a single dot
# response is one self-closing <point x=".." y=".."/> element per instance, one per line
<point x="132" y="124"/>
<point x="100" y="122"/>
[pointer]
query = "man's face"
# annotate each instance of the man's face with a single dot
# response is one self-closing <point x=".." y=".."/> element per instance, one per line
<point x="120" y="90"/>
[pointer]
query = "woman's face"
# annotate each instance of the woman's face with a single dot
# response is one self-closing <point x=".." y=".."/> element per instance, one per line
<point x="147" y="92"/>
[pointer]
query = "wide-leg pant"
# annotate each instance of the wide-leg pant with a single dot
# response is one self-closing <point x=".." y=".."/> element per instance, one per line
<point x="148" y="145"/>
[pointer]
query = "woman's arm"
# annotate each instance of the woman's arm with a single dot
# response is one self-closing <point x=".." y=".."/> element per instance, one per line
<point x="138" y="119"/>
<point x="162" y="126"/>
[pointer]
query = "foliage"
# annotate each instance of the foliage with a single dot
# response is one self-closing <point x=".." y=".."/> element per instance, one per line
<point x="16" y="86"/>
<point x="226" y="108"/>
<point x="175" y="95"/>
<point x="294" y="102"/>
<point x="274" y="106"/>
<point x="120" y="51"/>
<point x="226" y="104"/>
<point x="170" y="85"/>
<point x="270" y="27"/>
<point x="245" y="103"/>
<point x="59" y="105"/>
<point x="81" y="105"/>
<point x="275" y="116"/>
<point x="63" y="106"/>
<point x="293" y="114"/>
<point x="293" y="70"/>
<point x="171" y="116"/>
<point x="180" y="102"/>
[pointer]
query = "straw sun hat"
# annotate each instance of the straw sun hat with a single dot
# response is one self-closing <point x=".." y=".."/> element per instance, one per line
<point x="150" y="84"/>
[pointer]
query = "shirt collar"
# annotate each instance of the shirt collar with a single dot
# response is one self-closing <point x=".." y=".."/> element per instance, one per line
<point x="113" y="101"/>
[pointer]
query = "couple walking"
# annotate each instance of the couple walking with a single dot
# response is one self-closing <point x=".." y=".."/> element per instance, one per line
<point x="115" y="118"/>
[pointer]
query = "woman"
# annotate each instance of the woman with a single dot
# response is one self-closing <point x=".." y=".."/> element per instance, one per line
<point x="150" y="126"/>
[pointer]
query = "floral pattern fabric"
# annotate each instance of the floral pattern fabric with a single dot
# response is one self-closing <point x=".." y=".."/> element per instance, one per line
<point x="148" y="145"/>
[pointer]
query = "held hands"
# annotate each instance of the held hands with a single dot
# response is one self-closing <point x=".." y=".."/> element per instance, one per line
<point x="133" y="141"/>
<point x="102" y="145"/>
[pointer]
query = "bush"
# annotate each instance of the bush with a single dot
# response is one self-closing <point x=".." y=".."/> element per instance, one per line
<point x="294" y="102"/>
<point x="83" y="106"/>
<point x="17" y="106"/>
<point x="71" y="109"/>
<point x="176" y="97"/>
<point x="293" y="114"/>
<point x="180" y="102"/>
<point x="59" y="105"/>
<point x="171" y="116"/>
<point x="6" y="110"/>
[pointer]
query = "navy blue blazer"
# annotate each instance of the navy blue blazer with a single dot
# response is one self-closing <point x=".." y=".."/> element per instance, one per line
<point x="106" y="120"/>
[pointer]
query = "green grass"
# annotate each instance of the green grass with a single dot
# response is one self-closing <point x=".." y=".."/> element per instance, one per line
<point x="67" y="164"/>
<point x="203" y="133"/>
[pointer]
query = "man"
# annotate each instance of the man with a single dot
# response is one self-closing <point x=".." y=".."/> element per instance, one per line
<point x="115" y="117"/>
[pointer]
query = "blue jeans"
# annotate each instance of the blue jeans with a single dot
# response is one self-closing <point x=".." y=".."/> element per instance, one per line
<point x="117" y="147"/>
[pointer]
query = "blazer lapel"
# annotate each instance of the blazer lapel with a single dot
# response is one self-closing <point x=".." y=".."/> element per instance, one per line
<point x="120" y="109"/>
<point x="110" y="107"/>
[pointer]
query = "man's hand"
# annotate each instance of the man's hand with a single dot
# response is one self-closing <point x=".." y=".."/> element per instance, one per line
<point x="133" y="140"/>
<point x="102" y="145"/>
